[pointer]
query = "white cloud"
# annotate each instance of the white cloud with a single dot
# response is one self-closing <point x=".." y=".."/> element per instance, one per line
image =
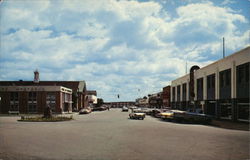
<point x="116" y="46"/>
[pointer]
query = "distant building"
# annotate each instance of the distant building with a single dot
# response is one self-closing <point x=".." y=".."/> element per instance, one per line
<point x="119" y="104"/>
<point x="92" y="98"/>
<point x="220" y="89"/>
<point x="141" y="102"/>
<point x="34" y="96"/>
<point x="155" y="100"/>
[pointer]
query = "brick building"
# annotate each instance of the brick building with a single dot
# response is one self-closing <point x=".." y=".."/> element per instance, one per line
<point x="33" y="99"/>
<point x="166" y="96"/>
<point x="155" y="100"/>
<point x="34" y="96"/>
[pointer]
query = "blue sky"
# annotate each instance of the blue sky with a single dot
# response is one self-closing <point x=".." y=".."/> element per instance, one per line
<point x="130" y="48"/>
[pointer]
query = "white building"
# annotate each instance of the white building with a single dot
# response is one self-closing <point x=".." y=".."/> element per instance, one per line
<point x="220" y="89"/>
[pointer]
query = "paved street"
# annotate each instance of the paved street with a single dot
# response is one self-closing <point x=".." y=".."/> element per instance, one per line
<point x="110" y="135"/>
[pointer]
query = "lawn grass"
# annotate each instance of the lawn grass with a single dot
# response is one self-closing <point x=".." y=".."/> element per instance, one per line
<point x="42" y="119"/>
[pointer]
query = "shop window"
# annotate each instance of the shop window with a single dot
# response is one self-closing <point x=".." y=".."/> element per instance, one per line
<point x="243" y="112"/>
<point x="226" y="111"/>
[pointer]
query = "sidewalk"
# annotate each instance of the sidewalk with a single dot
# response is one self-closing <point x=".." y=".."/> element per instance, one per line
<point x="244" y="126"/>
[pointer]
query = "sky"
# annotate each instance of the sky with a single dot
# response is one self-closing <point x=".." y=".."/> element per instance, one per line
<point x="131" y="48"/>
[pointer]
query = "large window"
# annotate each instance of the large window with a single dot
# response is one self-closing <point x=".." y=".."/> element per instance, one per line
<point x="243" y="112"/>
<point x="51" y="101"/>
<point x="200" y="89"/>
<point x="178" y="93"/>
<point x="211" y="87"/>
<point x="173" y="90"/>
<point x="32" y="102"/>
<point x="226" y="111"/>
<point x="225" y="84"/>
<point x="184" y="92"/>
<point x="14" y="101"/>
<point x="243" y="81"/>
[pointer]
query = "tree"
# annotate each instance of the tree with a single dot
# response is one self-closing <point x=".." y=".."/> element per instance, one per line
<point x="99" y="102"/>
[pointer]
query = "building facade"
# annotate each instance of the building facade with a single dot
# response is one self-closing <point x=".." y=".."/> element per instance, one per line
<point x="34" y="99"/>
<point x="20" y="91"/>
<point x="155" y="100"/>
<point x="92" y="98"/>
<point x="166" y="96"/>
<point x="220" y="89"/>
<point x="119" y="104"/>
<point x="142" y="102"/>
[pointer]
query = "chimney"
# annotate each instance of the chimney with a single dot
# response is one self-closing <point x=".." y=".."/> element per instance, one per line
<point x="36" y="76"/>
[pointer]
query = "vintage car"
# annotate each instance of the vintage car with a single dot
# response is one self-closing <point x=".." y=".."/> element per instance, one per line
<point x="168" y="115"/>
<point x="124" y="109"/>
<point x="184" y="116"/>
<point x="156" y="113"/>
<point x="171" y="114"/>
<point x="85" y="110"/>
<point x="137" y="114"/>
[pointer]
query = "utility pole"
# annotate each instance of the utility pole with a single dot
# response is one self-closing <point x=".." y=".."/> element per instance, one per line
<point x="223" y="47"/>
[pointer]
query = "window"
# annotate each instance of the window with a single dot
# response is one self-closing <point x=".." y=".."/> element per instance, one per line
<point x="242" y="74"/>
<point x="178" y="92"/>
<point x="208" y="82"/>
<point x="51" y="101"/>
<point x="211" y="87"/>
<point x="173" y="94"/>
<point x="243" y="112"/>
<point x="226" y="111"/>
<point x="228" y="78"/>
<point x="66" y="97"/>
<point x="225" y="84"/>
<point x="184" y="92"/>
<point x="200" y="89"/>
<point x="213" y="81"/>
<point x="247" y="72"/>
<point x="14" y="102"/>
<point x="32" y="102"/>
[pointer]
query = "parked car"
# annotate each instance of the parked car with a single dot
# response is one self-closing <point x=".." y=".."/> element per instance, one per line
<point x="156" y="113"/>
<point x="172" y="115"/>
<point x="85" y="111"/>
<point x="124" y="109"/>
<point x="133" y="107"/>
<point x="137" y="114"/>
<point x="197" y="118"/>
<point x="184" y="116"/>
<point x="167" y="115"/>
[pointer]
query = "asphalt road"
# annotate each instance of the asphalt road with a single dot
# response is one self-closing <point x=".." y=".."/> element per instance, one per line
<point x="110" y="135"/>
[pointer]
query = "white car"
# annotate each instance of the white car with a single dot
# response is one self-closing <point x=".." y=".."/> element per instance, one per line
<point x="137" y="114"/>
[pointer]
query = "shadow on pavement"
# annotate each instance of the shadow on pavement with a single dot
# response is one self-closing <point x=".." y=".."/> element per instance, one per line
<point x="226" y="124"/>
